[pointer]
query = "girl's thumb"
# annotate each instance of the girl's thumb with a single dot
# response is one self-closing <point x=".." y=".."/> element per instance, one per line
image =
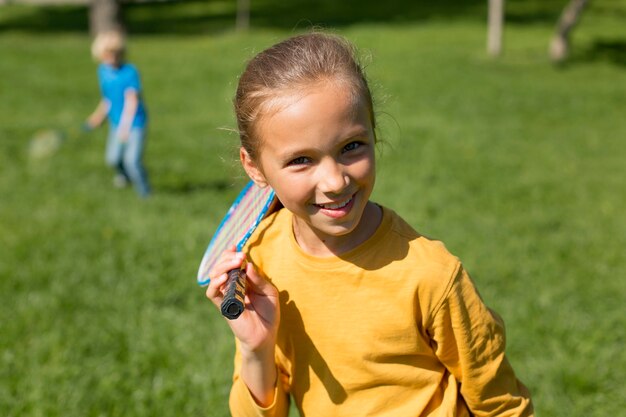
<point x="258" y="283"/>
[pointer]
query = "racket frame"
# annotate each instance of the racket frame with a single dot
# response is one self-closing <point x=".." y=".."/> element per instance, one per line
<point x="271" y="202"/>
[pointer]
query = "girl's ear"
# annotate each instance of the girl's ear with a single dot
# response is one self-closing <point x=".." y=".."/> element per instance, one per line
<point x="251" y="168"/>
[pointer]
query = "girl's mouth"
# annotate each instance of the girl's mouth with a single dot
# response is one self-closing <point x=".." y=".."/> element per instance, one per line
<point x="337" y="209"/>
<point x="334" y="206"/>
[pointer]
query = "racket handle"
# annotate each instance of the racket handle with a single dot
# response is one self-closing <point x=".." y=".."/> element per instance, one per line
<point x="233" y="303"/>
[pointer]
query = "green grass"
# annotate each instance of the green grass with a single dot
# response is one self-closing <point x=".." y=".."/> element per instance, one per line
<point x="517" y="165"/>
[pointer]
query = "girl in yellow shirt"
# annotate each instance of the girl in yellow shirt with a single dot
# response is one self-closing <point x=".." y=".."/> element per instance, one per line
<point x="349" y="311"/>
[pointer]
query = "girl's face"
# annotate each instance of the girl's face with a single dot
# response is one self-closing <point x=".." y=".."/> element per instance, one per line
<point x="317" y="153"/>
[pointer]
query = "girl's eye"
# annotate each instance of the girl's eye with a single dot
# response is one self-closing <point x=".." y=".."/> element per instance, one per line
<point x="352" y="146"/>
<point x="299" y="161"/>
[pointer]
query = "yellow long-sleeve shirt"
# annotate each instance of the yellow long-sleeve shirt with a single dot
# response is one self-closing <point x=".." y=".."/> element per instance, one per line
<point x="394" y="328"/>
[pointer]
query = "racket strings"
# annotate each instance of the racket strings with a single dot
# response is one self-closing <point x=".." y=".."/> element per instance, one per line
<point x="239" y="223"/>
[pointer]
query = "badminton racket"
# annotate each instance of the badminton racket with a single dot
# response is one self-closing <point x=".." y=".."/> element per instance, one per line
<point x="252" y="204"/>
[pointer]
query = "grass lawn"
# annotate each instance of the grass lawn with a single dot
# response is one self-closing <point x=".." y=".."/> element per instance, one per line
<point x="517" y="165"/>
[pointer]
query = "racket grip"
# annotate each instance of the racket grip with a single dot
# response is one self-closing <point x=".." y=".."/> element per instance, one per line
<point x="233" y="304"/>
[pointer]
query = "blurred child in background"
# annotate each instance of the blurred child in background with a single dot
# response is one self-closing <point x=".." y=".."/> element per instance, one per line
<point x="123" y="105"/>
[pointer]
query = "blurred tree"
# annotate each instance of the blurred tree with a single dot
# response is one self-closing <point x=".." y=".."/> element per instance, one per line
<point x="560" y="43"/>
<point x="494" y="29"/>
<point x="243" y="14"/>
<point x="105" y="15"/>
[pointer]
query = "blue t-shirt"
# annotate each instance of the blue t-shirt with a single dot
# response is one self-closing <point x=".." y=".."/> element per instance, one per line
<point x="113" y="83"/>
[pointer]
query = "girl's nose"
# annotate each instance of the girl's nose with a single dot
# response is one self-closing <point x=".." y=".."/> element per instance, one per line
<point x="333" y="179"/>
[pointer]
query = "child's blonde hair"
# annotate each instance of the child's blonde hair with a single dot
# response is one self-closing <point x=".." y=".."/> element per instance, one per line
<point x="110" y="41"/>
<point x="294" y="65"/>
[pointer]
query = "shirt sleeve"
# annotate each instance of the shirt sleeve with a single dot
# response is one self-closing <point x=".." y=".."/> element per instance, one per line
<point x="469" y="339"/>
<point x="242" y="404"/>
<point x="132" y="79"/>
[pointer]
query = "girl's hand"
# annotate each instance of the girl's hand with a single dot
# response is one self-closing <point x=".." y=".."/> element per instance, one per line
<point x="257" y="326"/>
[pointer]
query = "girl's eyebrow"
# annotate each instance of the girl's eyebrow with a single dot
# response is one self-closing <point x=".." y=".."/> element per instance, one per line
<point x="358" y="133"/>
<point x="293" y="154"/>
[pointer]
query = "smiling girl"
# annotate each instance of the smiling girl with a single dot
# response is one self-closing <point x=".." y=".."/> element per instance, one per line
<point x="349" y="311"/>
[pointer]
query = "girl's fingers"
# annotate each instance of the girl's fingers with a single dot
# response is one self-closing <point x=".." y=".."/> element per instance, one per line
<point x="227" y="262"/>
<point x="257" y="283"/>
<point x="218" y="274"/>
<point x="214" y="290"/>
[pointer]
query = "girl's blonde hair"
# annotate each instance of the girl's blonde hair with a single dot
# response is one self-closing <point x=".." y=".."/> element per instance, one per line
<point x="112" y="41"/>
<point x="290" y="66"/>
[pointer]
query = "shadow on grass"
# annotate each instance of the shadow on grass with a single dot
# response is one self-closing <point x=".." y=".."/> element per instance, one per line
<point x="609" y="50"/>
<point x="214" y="16"/>
<point x="209" y="16"/>
<point x="44" y="19"/>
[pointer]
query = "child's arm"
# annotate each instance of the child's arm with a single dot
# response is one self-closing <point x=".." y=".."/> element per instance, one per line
<point x="243" y="404"/>
<point x="96" y="118"/>
<point x="256" y="329"/>
<point x="131" y="103"/>
<point x="470" y="342"/>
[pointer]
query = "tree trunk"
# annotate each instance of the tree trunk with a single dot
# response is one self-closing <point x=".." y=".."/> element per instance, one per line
<point x="243" y="15"/>
<point x="494" y="29"/>
<point x="560" y="43"/>
<point x="105" y="15"/>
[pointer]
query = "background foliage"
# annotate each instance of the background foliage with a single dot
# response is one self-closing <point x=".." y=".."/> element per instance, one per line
<point x="517" y="165"/>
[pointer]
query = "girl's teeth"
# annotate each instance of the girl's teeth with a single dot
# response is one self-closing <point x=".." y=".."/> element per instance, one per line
<point x="335" y="206"/>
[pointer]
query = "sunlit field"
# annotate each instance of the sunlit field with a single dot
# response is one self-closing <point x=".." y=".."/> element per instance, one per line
<point x="517" y="165"/>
